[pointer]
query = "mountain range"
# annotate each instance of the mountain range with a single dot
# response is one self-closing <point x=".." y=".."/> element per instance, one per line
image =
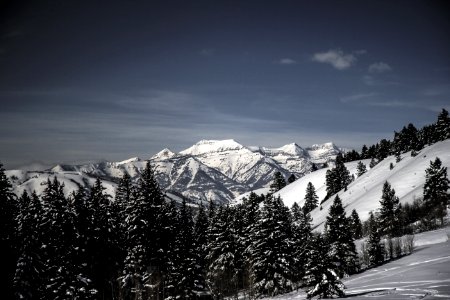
<point x="217" y="170"/>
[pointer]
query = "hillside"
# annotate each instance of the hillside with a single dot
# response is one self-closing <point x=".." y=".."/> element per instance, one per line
<point x="407" y="178"/>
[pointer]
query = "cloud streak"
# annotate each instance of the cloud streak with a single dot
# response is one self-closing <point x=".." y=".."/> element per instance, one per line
<point x="357" y="97"/>
<point x="379" y="67"/>
<point x="287" y="61"/>
<point x="336" y="58"/>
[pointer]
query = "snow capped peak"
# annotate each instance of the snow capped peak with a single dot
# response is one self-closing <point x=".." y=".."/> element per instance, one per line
<point x="58" y="168"/>
<point x="325" y="146"/>
<point x="130" y="160"/>
<point x="289" y="149"/>
<point x="292" y="149"/>
<point x="212" y="146"/>
<point x="164" y="154"/>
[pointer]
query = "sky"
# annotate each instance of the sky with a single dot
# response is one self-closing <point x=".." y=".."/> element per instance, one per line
<point x="107" y="80"/>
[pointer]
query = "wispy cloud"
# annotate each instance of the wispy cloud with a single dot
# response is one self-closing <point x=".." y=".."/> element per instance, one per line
<point x="357" y="97"/>
<point x="379" y="67"/>
<point x="287" y="61"/>
<point x="207" y="52"/>
<point x="337" y="58"/>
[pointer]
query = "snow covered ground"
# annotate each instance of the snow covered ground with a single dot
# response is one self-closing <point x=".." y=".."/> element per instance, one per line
<point x="425" y="274"/>
<point x="364" y="194"/>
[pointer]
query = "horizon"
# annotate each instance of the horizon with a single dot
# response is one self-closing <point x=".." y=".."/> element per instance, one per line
<point x="88" y="82"/>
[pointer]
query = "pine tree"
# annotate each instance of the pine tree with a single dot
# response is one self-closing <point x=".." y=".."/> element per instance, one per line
<point x="301" y="237"/>
<point x="201" y="249"/>
<point x="390" y="213"/>
<point x="442" y="126"/>
<point x="339" y="237"/>
<point x="278" y="182"/>
<point x="30" y="267"/>
<point x="182" y="273"/>
<point x="427" y="134"/>
<point x="383" y="149"/>
<point x="8" y="243"/>
<point x="313" y="167"/>
<point x="374" y="248"/>
<point x="250" y="214"/>
<point x="373" y="163"/>
<point x="321" y="278"/>
<point x="147" y="241"/>
<point x="337" y="178"/>
<point x="435" y="190"/>
<point x="311" y="199"/>
<point x="61" y="279"/>
<point x="222" y="272"/>
<point x="102" y="245"/>
<point x="361" y="169"/>
<point x="364" y="150"/>
<point x="271" y="251"/>
<point x="82" y="256"/>
<point x="355" y="225"/>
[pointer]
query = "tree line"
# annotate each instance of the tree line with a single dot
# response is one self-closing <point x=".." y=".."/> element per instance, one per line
<point x="409" y="138"/>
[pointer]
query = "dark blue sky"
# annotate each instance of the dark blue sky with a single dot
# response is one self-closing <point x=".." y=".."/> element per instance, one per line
<point x="90" y="80"/>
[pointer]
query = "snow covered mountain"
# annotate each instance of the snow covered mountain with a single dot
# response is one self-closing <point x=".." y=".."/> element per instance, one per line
<point x="364" y="194"/>
<point x="211" y="169"/>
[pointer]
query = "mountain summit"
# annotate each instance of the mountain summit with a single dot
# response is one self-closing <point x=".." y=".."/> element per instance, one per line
<point x="217" y="170"/>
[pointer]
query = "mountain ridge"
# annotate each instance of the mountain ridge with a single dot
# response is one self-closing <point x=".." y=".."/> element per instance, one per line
<point x="217" y="170"/>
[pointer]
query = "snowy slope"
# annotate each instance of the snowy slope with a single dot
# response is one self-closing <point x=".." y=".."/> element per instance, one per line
<point x="407" y="178"/>
<point x="422" y="275"/>
<point x="36" y="181"/>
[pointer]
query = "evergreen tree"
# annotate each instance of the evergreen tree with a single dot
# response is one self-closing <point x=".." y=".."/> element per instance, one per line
<point x="373" y="163"/>
<point x="271" y="250"/>
<point x="222" y="272"/>
<point x="339" y="237"/>
<point x="278" y="182"/>
<point x="407" y="139"/>
<point x="311" y="199"/>
<point x="427" y="134"/>
<point x="61" y="279"/>
<point x="182" y="273"/>
<point x="355" y="225"/>
<point x="321" y="278"/>
<point x="442" y="126"/>
<point x="383" y="149"/>
<point x="390" y="212"/>
<point x="313" y="167"/>
<point x="435" y="190"/>
<point x="364" y="150"/>
<point x="82" y="256"/>
<point x="101" y="244"/>
<point x="337" y="178"/>
<point x="30" y="267"/>
<point x="124" y="195"/>
<point x="250" y="215"/>
<point x="147" y="242"/>
<point x="8" y="227"/>
<point x="291" y="178"/>
<point x="301" y="236"/>
<point x="201" y="249"/>
<point x="374" y="248"/>
<point x="361" y="169"/>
